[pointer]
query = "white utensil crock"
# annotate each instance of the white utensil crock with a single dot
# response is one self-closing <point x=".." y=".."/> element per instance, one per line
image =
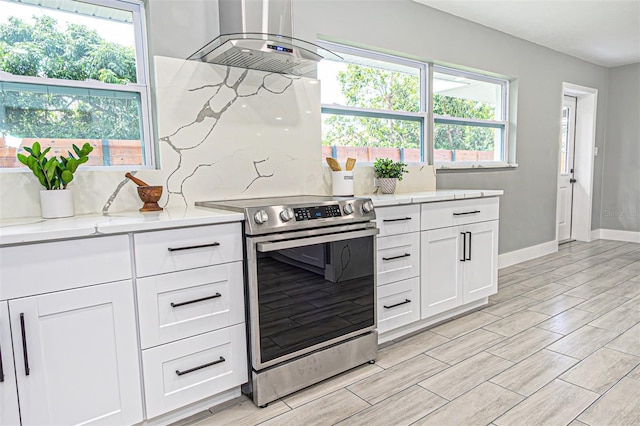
<point x="342" y="183"/>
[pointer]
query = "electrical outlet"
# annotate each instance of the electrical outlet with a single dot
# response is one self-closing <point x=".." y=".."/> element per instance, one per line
<point x="595" y="151"/>
<point x="375" y="182"/>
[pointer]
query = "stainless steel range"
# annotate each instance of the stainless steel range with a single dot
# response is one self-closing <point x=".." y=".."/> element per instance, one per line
<point x="310" y="289"/>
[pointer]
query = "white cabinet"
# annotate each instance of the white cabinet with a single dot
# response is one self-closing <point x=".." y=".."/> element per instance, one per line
<point x="9" y="414"/>
<point x="441" y="270"/>
<point x="459" y="263"/>
<point x="185" y="303"/>
<point x="191" y="306"/>
<point x="481" y="268"/>
<point x="398" y="266"/>
<point x="76" y="356"/>
<point x="179" y="373"/>
<point x="71" y="339"/>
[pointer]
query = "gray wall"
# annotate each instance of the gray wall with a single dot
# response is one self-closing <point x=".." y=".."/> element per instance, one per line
<point x="406" y="28"/>
<point x="621" y="178"/>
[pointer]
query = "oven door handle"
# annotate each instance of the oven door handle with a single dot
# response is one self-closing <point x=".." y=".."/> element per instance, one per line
<point x="309" y="241"/>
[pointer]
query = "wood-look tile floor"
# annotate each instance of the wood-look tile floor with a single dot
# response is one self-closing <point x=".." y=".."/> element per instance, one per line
<point x="558" y="344"/>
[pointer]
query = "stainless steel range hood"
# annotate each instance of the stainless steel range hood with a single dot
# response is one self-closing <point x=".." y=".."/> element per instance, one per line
<point x="257" y="34"/>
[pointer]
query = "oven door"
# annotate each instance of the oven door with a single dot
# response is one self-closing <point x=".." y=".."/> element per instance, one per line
<point x="307" y="292"/>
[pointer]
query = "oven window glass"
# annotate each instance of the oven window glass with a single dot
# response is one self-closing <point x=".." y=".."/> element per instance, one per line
<point x="312" y="294"/>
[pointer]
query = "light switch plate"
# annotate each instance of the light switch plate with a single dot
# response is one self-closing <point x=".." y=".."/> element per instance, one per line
<point x="595" y="151"/>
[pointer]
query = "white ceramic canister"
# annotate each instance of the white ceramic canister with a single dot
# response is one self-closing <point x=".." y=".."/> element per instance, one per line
<point x="342" y="183"/>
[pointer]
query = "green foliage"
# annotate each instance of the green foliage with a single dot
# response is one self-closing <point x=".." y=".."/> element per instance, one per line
<point x="54" y="173"/>
<point x="387" y="168"/>
<point x="374" y="88"/>
<point x="366" y="87"/>
<point x="44" y="49"/>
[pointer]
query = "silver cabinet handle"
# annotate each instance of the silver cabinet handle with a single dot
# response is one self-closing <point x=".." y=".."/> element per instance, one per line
<point x="309" y="241"/>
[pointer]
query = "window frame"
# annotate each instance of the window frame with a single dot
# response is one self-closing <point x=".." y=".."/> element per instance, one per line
<point x="421" y="116"/>
<point x="426" y="115"/>
<point x="496" y="124"/>
<point x="141" y="86"/>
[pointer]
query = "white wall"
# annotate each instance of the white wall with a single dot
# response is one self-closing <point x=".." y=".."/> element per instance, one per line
<point x="410" y="29"/>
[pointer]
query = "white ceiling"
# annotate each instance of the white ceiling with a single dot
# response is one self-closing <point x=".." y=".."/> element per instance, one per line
<point x="604" y="32"/>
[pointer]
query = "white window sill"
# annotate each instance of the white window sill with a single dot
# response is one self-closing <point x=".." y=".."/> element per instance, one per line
<point x="474" y="166"/>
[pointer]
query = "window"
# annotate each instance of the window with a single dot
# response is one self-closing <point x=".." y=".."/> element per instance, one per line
<point x="374" y="105"/>
<point x="73" y="72"/>
<point x="469" y="115"/>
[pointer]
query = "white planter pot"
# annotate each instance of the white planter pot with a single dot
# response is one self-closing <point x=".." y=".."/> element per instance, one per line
<point x="56" y="203"/>
<point x="387" y="185"/>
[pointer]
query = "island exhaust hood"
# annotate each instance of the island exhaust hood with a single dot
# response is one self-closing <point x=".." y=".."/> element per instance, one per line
<point x="257" y="34"/>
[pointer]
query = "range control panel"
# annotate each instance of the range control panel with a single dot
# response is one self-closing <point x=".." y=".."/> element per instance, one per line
<point x="317" y="212"/>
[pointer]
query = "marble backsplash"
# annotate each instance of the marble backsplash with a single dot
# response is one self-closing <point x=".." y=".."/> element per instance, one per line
<point x="223" y="133"/>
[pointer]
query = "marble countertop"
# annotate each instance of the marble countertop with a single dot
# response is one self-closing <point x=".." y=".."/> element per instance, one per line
<point x="383" y="200"/>
<point x="34" y="229"/>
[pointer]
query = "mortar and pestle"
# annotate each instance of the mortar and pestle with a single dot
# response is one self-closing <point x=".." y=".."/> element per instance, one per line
<point x="147" y="193"/>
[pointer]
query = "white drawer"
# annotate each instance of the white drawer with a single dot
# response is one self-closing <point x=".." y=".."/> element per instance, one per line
<point x="166" y="390"/>
<point x="398" y="257"/>
<point x="452" y="213"/>
<point x="46" y="267"/>
<point x="398" y="219"/>
<point x="182" y="304"/>
<point x="179" y="249"/>
<point x="398" y="304"/>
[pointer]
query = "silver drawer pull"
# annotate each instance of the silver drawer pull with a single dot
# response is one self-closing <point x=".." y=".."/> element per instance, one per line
<point x="215" y="296"/>
<point x="461" y="214"/>
<point x="193" y="247"/>
<point x="396" y="220"/>
<point x="200" y="367"/>
<point x="397" y="304"/>
<point x="397" y="257"/>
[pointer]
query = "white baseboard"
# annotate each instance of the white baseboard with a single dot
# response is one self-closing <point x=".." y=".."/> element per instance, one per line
<point x="615" y="235"/>
<point x="522" y="255"/>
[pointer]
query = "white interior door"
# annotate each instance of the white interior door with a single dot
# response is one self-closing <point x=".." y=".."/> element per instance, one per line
<point x="566" y="170"/>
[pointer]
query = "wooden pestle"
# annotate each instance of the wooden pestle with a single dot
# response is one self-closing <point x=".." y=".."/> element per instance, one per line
<point x="136" y="180"/>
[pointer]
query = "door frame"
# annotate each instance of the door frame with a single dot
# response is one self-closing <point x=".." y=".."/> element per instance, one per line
<point x="585" y="150"/>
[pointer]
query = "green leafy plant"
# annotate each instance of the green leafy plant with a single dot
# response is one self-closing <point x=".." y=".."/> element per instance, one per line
<point x="387" y="168"/>
<point x="54" y="173"/>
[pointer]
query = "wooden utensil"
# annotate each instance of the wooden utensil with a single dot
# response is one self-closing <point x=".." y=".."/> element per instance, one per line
<point x="351" y="162"/>
<point x="335" y="166"/>
<point x="135" y="180"/>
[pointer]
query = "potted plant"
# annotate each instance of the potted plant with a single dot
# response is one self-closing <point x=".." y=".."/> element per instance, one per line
<point x="388" y="173"/>
<point x="54" y="175"/>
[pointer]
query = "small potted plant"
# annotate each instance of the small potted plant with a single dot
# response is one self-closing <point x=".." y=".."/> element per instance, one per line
<point x="54" y="175"/>
<point x="388" y="173"/>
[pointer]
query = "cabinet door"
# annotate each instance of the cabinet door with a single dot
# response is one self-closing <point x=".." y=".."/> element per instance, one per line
<point x="481" y="268"/>
<point x="77" y="357"/>
<point x="441" y="269"/>
<point x="8" y="393"/>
